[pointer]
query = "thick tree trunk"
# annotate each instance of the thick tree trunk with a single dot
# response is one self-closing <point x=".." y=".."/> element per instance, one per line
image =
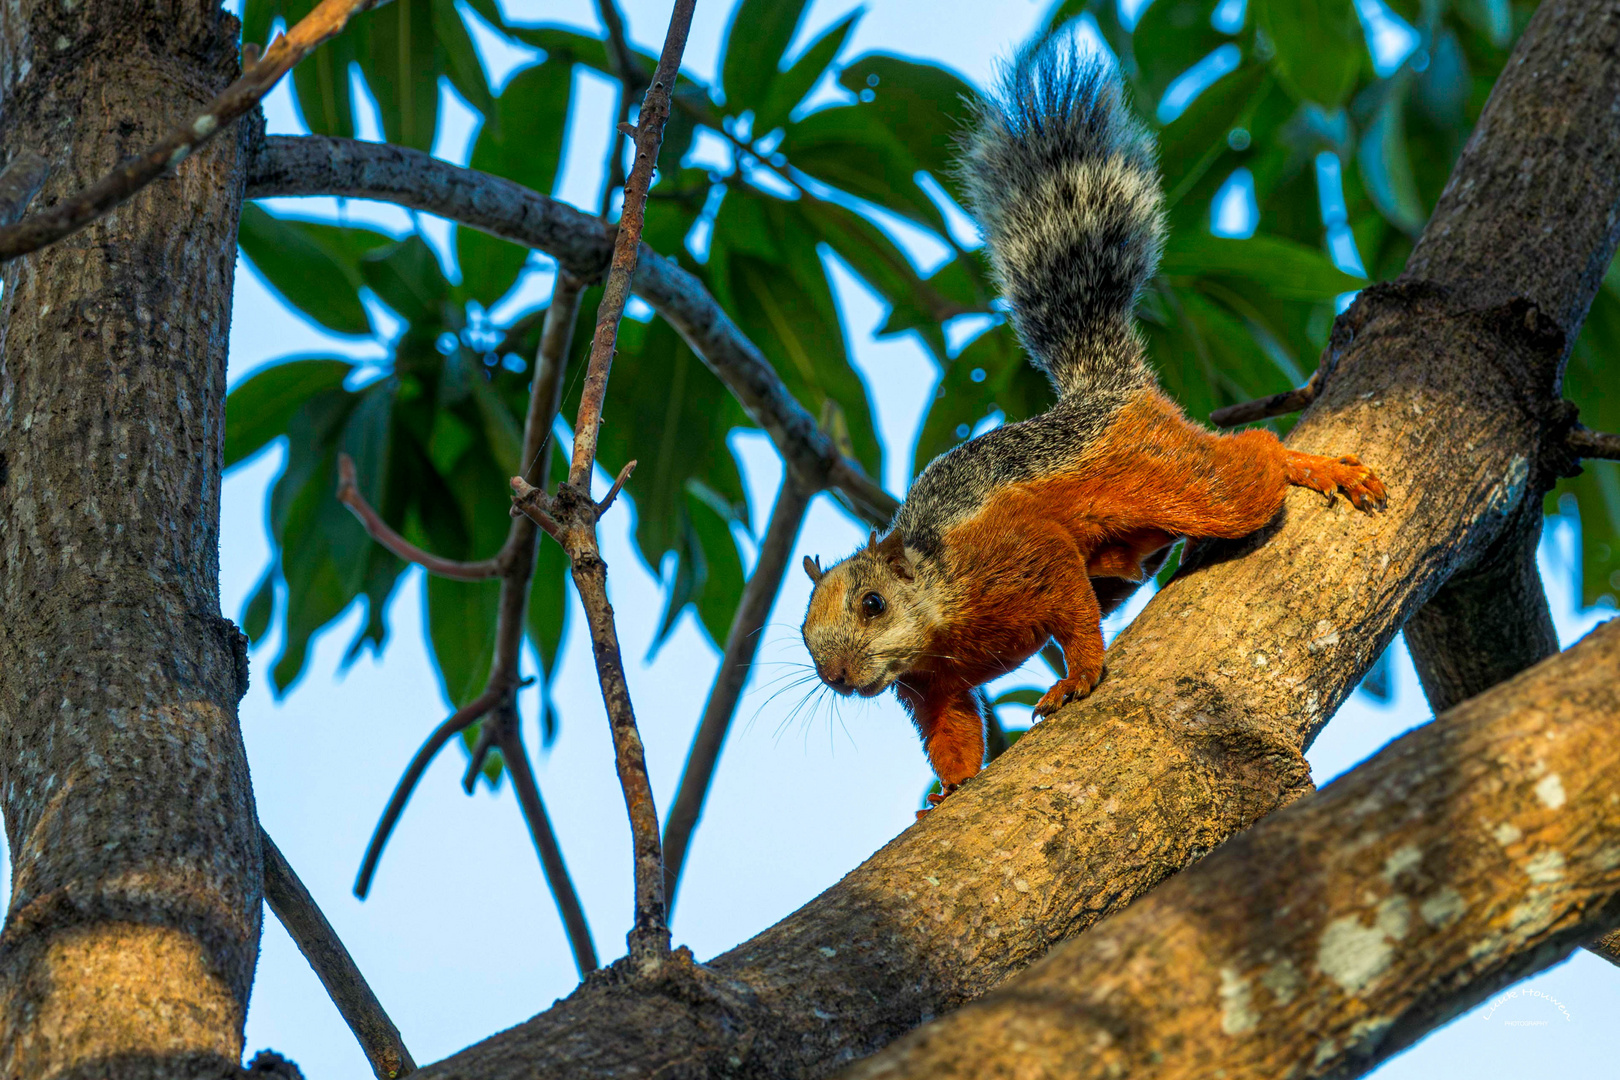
<point x="1467" y="855"/>
<point x="133" y="931"/>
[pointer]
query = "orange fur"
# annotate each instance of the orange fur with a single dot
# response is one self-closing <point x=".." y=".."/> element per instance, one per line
<point x="1021" y="567"/>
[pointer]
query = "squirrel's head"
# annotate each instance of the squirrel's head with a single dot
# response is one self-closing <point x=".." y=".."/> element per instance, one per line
<point x="868" y="619"/>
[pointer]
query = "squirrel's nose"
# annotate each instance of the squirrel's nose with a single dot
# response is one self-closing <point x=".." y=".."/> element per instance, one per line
<point x="837" y="679"/>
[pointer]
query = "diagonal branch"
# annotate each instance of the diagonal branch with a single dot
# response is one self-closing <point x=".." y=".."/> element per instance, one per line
<point x="1465" y="856"/>
<point x="69" y="216"/>
<point x="348" y="494"/>
<point x="507" y="737"/>
<point x="333" y="965"/>
<point x="742" y="644"/>
<point x="515" y="564"/>
<point x="571" y="515"/>
<point x="458" y="721"/>
<point x="582" y="246"/>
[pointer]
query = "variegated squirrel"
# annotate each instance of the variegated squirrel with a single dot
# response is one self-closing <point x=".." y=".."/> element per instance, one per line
<point x="994" y="550"/>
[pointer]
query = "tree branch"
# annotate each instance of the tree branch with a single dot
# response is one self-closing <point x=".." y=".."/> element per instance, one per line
<point x="509" y="739"/>
<point x="333" y="965"/>
<point x="453" y="726"/>
<point x="1465" y="856"/>
<point x="69" y="216"/>
<point x="742" y="644"/>
<point x="1198" y="728"/>
<point x="571" y="515"/>
<point x="582" y="246"/>
<point x="1586" y="443"/>
<point x="348" y="494"/>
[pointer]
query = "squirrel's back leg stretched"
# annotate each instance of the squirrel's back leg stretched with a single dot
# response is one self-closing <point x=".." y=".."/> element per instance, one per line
<point x="1157" y="469"/>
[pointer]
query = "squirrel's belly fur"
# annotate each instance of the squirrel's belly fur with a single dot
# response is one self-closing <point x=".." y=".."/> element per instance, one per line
<point x="994" y="551"/>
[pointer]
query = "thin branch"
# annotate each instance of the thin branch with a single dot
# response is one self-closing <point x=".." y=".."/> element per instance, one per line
<point x="348" y="494"/>
<point x="1595" y="444"/>
<point x="69" y="216"/>
<point x="19" y="184"/>
<point x="582" y="245"/>
<point x="442" y="734"/>
<point x="508" y="738"/>
<point x="742" y="644"/>
<point x="347" y="987"/>
<point x="626" y="65"/>
<point x="1290" y="401"/>
<point x="571" y="515"/>
<point x="618" y="485"/>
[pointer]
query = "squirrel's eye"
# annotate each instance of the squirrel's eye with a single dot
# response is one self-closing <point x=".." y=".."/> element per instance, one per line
<point x="873" y="605"/>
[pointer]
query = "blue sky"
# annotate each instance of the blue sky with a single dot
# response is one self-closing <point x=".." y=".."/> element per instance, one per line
<point x="460" y="937"/>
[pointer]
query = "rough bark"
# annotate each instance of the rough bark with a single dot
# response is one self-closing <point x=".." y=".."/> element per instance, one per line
<point x="1516" y="222"/>
<point x="1465" y="856"/>
<point x="133" y="930"/>
<point x="1209" y="699"/>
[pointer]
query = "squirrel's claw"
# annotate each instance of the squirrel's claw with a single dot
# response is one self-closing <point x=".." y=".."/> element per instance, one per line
<point x="1062" y="692"/>
<point x="935" y="798"/>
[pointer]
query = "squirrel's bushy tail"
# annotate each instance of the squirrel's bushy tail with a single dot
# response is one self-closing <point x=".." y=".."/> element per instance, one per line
<point x="1063" y="181"/>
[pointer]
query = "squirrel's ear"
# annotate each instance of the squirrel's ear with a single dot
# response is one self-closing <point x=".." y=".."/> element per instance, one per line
<point x="893" y="548"/>
<point x="813" y="568"/>
<point x="872" y="541"/>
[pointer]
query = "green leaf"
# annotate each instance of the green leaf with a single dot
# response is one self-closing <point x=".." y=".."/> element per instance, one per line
<point x="402" y="62"/>
<point x="1171" y="37"/>
<point x="302" y="270"/>
<point x="1026" y="696"/>
<point x="850" y="148"/>
<point x="1320" y="48"/>
<point x="407" y="278"/>
<point x="1191" y="143"/>
<point x="489" y="266"/>
<point x="790" y="87"/>
<point x="261" y="406"/>
<point x="923" y="106"/>
<point x="322" y="84"/>
<point x="461" y="630"/>
<point x="1386" y="167"/>
<point x="1287" y="268"/>
<point x="260" y="606"/>
<point x="756" y="39"/>
<point x="461" y="58"/>
<point x="524" y="139"/>
<point x="990" y="374"/>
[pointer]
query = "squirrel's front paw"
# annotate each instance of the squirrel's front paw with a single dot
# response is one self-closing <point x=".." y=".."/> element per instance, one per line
<point x="935" y="798"/>
<point x="1063" y="692"/>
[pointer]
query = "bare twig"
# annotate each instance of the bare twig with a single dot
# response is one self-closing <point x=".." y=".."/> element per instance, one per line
<point x="66" y="217"/>
<point x="348" y="494"/>
<point x="626" y="65"/>
<point x="333" y="965"/>
<point x="571" y="514"/>
<point x="504" y="726"/>
<point x="582" y="245"/>
<point x="1595" y="444"/>
<point x="742" y="644"/>
<point x="1290" y="401"/>
<point x="19" y="184"/>
<point x="613" y="492"/>
<point x="515" y="564"/>
<point x="442" y="734"/>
